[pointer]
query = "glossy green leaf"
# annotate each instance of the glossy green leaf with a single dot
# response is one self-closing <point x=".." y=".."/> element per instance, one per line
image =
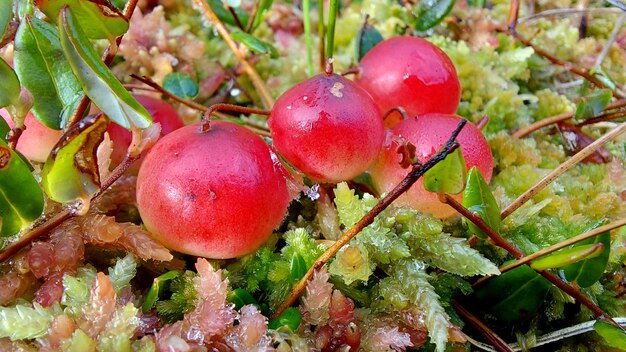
<point x="44" y="71"/>
<point x="447" y="176"/>
<point x="71" y="171"/>
<point x="588" y="271"/>
<point x="262" y="8"/>
<point x="98" y="18"/>
<point x="513" y="296"/>
<point x="6" y="13"/>
<point x="567" y="256"/>
<point x="593" y="104"/>
<point x="431" y="12"/>
<point x="181" y="85"/>
<point x="4" y="129"/>
<point x="156" y="288"/>
<point x="96" y="79"/>
<point x="476" y="3"/>
<point x="10" y="86"/>
<point x="256" y="45"/>
<point x="291" y="318"/>
<point x="366" y="39"/>
<point x="240" y="297"/>
<point x="297" y="268"/>
<point x="478" y="198"/>
<point x="21" y="199"/>
<point x="612" y="335"/>
<point x="603" y="77"/>
<point x="226" y="16"/>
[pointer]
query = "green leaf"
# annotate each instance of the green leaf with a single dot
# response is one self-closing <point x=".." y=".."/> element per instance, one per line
<point x="262" y="8"/>
<point x="612" y="335"/>
<point x="447" y="176"/>
<point x="10" y="87"/>
<point x="156" y="288"/>
<point x="593" y="104"/>
<point x="588" y="271"/>
<point x="181" y="85"/>
<point x="45" y="72"/>
<point x="71" y="171"/>
<point x="240" y="298"/>
<point x="6" y="12"/>
<point x="98" y="18"/>
<point x="4" y="129"/>
<point x="21" y="199"/>
<point x="567" y="256"/>
<point x="226" y="16"/>
<point x="514" y="295"/>
<point x="256" y="45"/>
<point x="603" y="77"/>
<point x="476" y="3"/>
<point x="366" y="39"/>
<point x="96" y="79"/>
<point x="478" y="198"/>
<point x="297" y="267"/>
<point x="291" y="318"/>
<point x="431" y="12"/>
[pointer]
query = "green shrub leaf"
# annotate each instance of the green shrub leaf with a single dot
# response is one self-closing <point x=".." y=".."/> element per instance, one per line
<point x="612" y="335"/>
<point x="226" y="16"/>
<point x="478" y="198"/>
<point x="567" y="256"/>
<point x="587" y="272"/>
<point x="21" y="199"/>
<point x="96" y="79"/>
<point x="593" y="104"/>
<point x="447" y="176"/>
<point x="253" y="43"/>
<point x="10" y="87"/>
<point x="45" y="72"/>
<point x="181" y="85"/>
<point x="6" y="12"/>
<point x="366" y="39"/>
<point x="431" y="12"/>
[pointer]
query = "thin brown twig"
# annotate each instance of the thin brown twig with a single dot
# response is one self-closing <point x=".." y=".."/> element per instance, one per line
<point x="236" y="17"/>
<point x="523" y="132"/>
<point x="206" y="117"/>
<point x="258" y="83"/>
<point x="568" y="164"/>
<point x="416" y="172"/>
<point x="43" y="228"/>
<point x="584" y="73"/>
<point x="496" y="341"/>
<point x="601" y="118"/>
<point x="513" y="15"/>
<point x="569" y="11"/>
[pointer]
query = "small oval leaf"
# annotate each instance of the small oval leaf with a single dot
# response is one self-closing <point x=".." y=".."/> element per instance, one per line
<point x="181" y="85"/>
<point x="515" y="295"/>
<point x="10" y="87"/>
<point x="21" y="198"/>
<point x="6" y="13"/>
<point x="98" y="18"/>
<point x="156" y="288"/>
<point x="226" y="16"/>
<point x="256" y="45"/>
<point x="447" y="176"/>
<point x="45" y="72"/>
<point x="71" y="171"/>
<point x="431" y="12"/>
<point x="612" y="335"/>
<point x="593" y="104"/>
<point x="567" y="256"/>
<point x="366" y="39"/>
<point x="588" y="271"/>
<point x="4" y="129"/>
<point x="297" y="268"/>
<point x="240" y="297"/>
<point x="263" y="7"/>
<point x="478" y="198"/>
<point x="291" y="318"/>
<point x="96" y="79"/>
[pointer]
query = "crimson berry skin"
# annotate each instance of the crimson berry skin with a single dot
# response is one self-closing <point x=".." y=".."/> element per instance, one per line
<point x="412" y="73"/>
<point x="216" y="194"/>
<point x="428" y="133"/>
<point x="327" y="127"/>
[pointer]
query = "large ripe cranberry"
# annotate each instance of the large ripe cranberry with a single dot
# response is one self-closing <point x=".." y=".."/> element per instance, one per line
<point x="215" y="194"/>
<point x="327" y="127"/>
<point x="412" y="73"/>
<point x="429" y="133"/>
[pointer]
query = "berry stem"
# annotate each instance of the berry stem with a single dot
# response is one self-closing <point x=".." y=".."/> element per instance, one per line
<point x="416" y="172"/>
<point x="321" y="34"/>
<point x="333" y="8"/>
<point x="308" y="38"/>
<point x="258" y="83"/>
<point x="206" y="117"/>
<point x="568" y="164"/>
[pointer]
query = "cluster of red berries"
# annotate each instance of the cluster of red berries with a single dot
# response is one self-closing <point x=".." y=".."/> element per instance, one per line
<point x="220" y="193"/>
